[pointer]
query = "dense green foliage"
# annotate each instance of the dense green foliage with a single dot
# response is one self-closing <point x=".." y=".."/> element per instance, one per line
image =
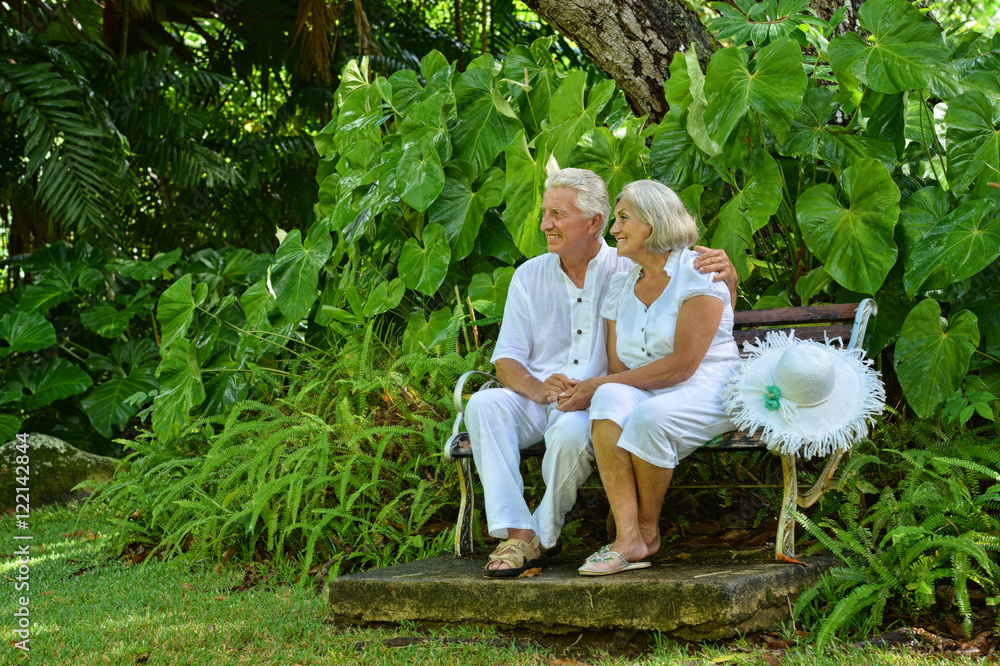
<point x="146" y="152"/>
<point x="337" y="461"/>
<point x="934" y="522"/>
<point x="817" y="163"/>
<point x="80" y="353"/>
<point x="828" y="167"/>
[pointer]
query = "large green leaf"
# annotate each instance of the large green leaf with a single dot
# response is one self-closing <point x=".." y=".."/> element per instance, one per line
<point x="749" y="209"/>
<point x="612" y="158"/>
<point x="432" y="63"/>
<point x="10" y="426"/>
<point x="228" y="383"/>
<point x="25" y="332"/>
<point x="489" y="293"/>
<point x="406" y="90"/>
<point x="981" y="299"/>
<point x="419" y="176"/>
<point x="494" y="240"/>
<point x="109" y="321"/>
<point x="423" y="268"/>
<point x="973" y="140"/>
<point x="773" y="89"/>
<point x="424" y="334"/>
<point x="571" y="116"/>
<point x="674" y="159"/>
<point x="384" y="297"/>
<point x="906" y="50"/>
<point x="960" y="245"/>
<point x="146" y="270"/>
<point x="812" y="283"/>
<point x="45" y="295"/>
<point x="181" y="388"/>
<point x="106" y="406"/>
<point x="685" y="91"/>
<point x="295" y="273"/>
<point x="257" y="304"/>
<point x="752" y="21"/>
<point x="523" y="194"/>
<point x="175" y="311"/>
<point x="56" y="380"/>
<point x="482" y="130"/>
<point x="427" y="122"/>
<point x="543" y="80"/>
<point x="677" y="87"/>
<point x="855" y="240"/>
<point x="922" y="211"/>
<point x="463" y="203"/>
<point x="888" y="120"/>
<point x="811" y="135"/>
<point x="932" y="355"/>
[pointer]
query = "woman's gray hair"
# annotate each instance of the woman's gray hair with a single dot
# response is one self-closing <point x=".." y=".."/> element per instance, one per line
<point x="591" y="192"/>
<point x="662" y="210"/>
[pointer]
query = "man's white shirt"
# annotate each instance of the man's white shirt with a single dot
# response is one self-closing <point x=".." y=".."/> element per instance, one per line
<point x="550" y="325"/>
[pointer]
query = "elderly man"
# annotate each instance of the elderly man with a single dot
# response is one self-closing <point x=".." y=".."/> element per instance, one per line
<point x="552" y="336"/>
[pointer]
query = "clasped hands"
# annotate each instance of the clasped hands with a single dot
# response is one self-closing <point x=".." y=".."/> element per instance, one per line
<point x="571" y="395"/>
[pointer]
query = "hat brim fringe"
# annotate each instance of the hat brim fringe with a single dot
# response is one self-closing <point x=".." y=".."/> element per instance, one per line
<point x="745" y="415"/>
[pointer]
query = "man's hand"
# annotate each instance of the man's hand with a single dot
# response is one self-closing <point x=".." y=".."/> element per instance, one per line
<point x="716" y="261"/>
<point x="578" y="396"/>
<point x="550" y="390"/>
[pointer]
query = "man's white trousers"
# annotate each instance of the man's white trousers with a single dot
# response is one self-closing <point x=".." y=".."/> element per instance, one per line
<point x="500" y="424"/>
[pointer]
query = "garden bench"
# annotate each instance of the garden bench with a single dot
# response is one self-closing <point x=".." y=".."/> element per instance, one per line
<point x="814" y="322"/>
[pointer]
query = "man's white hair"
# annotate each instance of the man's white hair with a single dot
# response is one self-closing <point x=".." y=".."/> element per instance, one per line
<point x="591" y="192"/>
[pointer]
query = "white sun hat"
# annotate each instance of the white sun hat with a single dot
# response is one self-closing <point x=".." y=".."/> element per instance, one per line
<point x="806" y="397"/>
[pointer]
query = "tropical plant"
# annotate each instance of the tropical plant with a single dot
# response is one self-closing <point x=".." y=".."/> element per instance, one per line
<point x="79" y="346"/>
<point x="934" y="521"/>
<point x="338" y="463"/>
<point x="824" y="176"/>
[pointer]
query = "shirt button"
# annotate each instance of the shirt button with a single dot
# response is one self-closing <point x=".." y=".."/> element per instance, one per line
<point x="642" y="329"/>
<point x="579" y="300"/>
<point x="648" y="354"/>
<point x="579" y="331"/>
<point x="576" y="362"/>
<point x="643" y="349"/>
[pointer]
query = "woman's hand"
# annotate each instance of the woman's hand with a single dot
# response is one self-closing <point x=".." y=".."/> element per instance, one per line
<point x="578" y="396"/>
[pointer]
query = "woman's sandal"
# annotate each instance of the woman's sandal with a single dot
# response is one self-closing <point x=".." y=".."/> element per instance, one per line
<point x="605" y="555"/>
<point x="518" y="555"/>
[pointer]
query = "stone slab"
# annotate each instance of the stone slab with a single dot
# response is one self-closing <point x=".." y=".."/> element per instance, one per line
<point x="54" y="468"/>
<point x="709" y="599"/>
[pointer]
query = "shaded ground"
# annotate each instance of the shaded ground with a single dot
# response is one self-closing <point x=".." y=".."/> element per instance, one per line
<point x="88" y="607"/>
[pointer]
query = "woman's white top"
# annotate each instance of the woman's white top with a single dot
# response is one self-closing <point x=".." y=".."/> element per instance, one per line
<point x="645" y="334"/>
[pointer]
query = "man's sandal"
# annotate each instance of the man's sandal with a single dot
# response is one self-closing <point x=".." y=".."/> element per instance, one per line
<point x="518" y="555"/>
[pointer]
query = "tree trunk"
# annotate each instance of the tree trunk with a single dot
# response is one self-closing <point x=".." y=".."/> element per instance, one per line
<point x="826" y="8"/>
<point x="633" y="41"/>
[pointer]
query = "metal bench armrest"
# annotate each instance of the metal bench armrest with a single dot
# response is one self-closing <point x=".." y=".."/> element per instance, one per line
<point x="460" y="387"/>
<point x="866" y="310"/>
<point x="457" y="397"/>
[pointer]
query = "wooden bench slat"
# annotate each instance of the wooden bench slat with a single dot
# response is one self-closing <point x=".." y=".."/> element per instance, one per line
<point x="793" y="316"/>
<point x="842" y="331"/>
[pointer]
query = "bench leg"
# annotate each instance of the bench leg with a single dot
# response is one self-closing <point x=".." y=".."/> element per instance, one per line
<point x="824" y="483"/>
<point x="463" y="526"/>
<point x="785" y="541"/>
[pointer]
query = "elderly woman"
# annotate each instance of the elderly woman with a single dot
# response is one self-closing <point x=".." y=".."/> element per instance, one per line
<point x="670" y="351"/>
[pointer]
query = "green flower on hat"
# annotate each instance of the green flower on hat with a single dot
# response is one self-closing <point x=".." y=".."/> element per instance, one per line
<point x="772" y="400"/>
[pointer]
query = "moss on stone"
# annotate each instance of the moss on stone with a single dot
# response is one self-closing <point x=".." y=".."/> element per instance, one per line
<point x="54" y="469"/>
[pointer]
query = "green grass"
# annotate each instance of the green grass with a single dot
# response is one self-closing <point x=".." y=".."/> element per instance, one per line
<point x="165" y="613"/>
